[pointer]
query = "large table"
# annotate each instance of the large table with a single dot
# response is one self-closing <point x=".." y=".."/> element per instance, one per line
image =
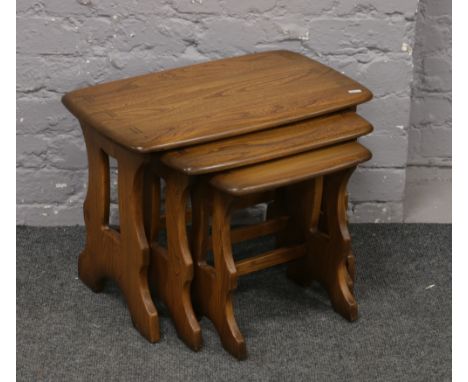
<point x="139" y="119"/>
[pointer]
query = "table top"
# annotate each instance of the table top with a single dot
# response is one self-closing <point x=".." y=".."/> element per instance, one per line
<point x="292" y="169"/>
<point x="213" y="100"/>
<point x="265" y="145"/>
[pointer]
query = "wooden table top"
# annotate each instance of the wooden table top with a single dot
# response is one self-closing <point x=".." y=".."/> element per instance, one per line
<point x="280" y="172"/>
<point x="213" y="100"/>
<point x="268" y="144"/>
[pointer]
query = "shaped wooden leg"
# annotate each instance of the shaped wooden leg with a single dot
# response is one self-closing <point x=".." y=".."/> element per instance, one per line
<point x="91" y="269"/>
<point x="328" y="255"/>
<point x="199" y="245"/>
<point x="172" y="271"/>
<point x="124" y="256"/>
<point x="213" y="287"/>
<point x="133" y="264"/>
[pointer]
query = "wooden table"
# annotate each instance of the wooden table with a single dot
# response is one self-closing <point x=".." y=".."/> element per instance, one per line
<point x="137" y="119"/>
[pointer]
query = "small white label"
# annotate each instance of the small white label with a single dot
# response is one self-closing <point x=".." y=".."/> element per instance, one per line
<point x="354" y="91"/>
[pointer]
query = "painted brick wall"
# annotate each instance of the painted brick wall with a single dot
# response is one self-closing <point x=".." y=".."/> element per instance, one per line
<point x="430" y="134"/>
<point x="68" y="44"/>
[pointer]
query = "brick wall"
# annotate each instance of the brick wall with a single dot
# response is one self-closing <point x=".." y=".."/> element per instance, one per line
<point x="430" y="134"/>
<point x="68" y="44"/>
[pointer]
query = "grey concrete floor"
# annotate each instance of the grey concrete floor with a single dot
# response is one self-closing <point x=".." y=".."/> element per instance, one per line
<point x="428" y="195"/>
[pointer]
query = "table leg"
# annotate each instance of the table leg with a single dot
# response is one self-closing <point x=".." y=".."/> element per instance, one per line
<point x="92" y="267"/>
<point x="134" y="262"/>
<point x="122" y="256"/>
<point x="172" y="270"/>
<point x="329" y="253"/>
<point x="213" y="286"/>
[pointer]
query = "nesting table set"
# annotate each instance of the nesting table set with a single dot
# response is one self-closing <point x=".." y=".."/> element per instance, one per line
<point x="273" y="127"/>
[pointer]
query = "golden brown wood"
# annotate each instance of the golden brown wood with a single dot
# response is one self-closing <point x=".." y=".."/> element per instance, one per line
<point x="153" y="219"/>
<point x="265" y="145"/>
<point x="122" y="256"/>
<point x="201" y="196"/>
<point x="301" y="203"/>
<point x="269" y="259"/>
<point x="271" y="107"/>
<point x="327" y="256"/>
<point x="188" y="218"/>
<point x="292" y="169"/>
<point x="320" y="256"/>
<point x="172" y="269"/>
<point x="214" y="100"/>
<point x="253" y="231"/>
<point x="212" y="287"/>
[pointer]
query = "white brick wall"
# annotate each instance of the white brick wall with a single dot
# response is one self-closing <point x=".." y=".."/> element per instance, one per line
<point x="430" y="138"/>
<point x="68" y="44"/>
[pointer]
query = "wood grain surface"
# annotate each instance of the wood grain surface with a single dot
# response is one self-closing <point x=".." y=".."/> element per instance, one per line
<point x="292" y="169"/>
<point x="268" y="144"/>
<point x="213" y="100"/>
<point x="122" y="255"/>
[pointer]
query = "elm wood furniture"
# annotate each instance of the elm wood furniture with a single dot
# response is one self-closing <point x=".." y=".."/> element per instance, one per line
<point x="235" y="152"/>
<point x="123" y="255"/>
<point x="136" y="119"/>
<point x="268" y="144"/>
<point x="310" y="181"/>
<point x="213" y="100"/>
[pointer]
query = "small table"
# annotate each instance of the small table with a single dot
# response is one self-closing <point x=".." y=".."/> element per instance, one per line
<point x="136" y="120"/>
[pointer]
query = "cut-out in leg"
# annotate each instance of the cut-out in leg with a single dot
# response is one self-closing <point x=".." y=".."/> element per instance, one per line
<point x="96" y="217"/>
<point x="328" y="254"/>
<point x="173" y="269"/>
<point x="124" y="256"/>
<point x="213" y="287"/>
